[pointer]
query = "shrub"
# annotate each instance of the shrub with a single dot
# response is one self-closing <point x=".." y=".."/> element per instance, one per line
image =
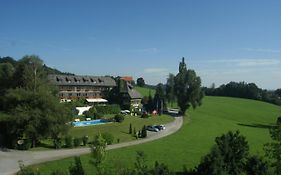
<point x="26" y="145"/>
<point x="108" y="109"/>
<point x="119" y="118"/>
<point x="143" y="132"/>
<point x="68" y="142"/>
<point x="145" y="115"/>
<point x="76" y="142"/>
<point x="77" y="168"/>
<point x="130" y="129"/>
<point x="85" y="140"/>
<point x="57" y="143"/>
<point x="59" y="172"/>
<point x="26" y="170"/>
<point x="109" y="138"/>
<point x="98" y="115"/>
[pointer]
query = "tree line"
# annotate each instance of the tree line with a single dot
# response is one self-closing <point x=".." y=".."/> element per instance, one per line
<point x="245" y="90"/>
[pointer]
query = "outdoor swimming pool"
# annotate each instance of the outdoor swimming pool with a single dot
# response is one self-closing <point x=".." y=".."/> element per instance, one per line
<point x="88" y="123"/>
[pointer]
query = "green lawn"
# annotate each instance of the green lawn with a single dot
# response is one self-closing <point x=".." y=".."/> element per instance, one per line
<point x="217" y="116"/>
<point x="145" y="91"/>
<point x="118" y="130"/>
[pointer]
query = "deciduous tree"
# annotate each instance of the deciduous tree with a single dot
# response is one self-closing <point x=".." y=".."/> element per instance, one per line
<point x="187" y="88"/>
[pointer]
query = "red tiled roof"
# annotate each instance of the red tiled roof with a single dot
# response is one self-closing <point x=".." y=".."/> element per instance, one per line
<point x="127" y="78"/>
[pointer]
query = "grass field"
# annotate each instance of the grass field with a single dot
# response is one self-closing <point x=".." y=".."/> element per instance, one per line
<point x="145" y="91"/>
<point x="186" y="147"/>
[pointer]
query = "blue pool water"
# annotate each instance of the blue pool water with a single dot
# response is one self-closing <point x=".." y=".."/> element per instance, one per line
<point x="88" y="123"/>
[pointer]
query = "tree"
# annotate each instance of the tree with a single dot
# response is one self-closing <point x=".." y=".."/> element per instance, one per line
<point x="32" y="105"/>
<point x="98" y="152"/>
<point x="170" y="91"/>
<point x="77" y="168"/>
<point x="6" y="74"/>
<point x="278" y="92"/>
<point x="140" y="82"/>
<point x="256" y="166"/>
<point x="143" y="132"/>
<point x="159" y="98"/>
<point x="140" y="164"/>
<point x="187" y="88"/>
<point x="161" y="169"/>
<point x="273" y="149"/>
<point x="228" y="156"/>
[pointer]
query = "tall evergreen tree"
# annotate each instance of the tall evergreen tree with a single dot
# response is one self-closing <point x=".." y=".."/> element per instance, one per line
<point x="159" y="98"/>
<point x="170" y="91"/>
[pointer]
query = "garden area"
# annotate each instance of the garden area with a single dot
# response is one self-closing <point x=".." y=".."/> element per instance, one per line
<point x="115" y="132"/>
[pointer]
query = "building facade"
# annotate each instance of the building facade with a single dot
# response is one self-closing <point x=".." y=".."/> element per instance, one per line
<point x="88" y="87"/>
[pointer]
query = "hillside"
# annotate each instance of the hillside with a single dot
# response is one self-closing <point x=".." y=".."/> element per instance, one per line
<point x="217" y="115"/>
<point x="145" y="91"/>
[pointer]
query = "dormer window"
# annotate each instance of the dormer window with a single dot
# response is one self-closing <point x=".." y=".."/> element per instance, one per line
<point x="100" y="80"/>
<point x="67" y="80"/>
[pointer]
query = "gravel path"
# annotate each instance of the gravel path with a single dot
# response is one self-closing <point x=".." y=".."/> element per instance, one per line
<point x="9" y="158"/>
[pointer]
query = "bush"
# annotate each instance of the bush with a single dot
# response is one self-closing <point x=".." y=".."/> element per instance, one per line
<point x="57" y="143"/>
<point x="108" y="109"/>
<point x="91" y="113"/>
<point x="26" y="170"/>
<point x="98" y="115"/>
<point x="144" y="132"/>
<point x="76" y="142"/>
<point x="26" y="145"/>
<point x="119" y="118"/>
<point x="68" y="142"/>
<point x="145" y="115"/>
<point x="130" y="129"/>
<point x="59" y="172"/>
<point x="85" y="140"/>
<point x="77" y="168"/>
<point x="109" y="138"/>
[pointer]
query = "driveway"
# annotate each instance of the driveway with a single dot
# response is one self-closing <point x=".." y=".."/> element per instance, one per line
<point x="9" y="158"/>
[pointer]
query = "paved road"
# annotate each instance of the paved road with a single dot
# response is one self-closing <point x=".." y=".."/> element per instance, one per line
<point x="9" y="158"/>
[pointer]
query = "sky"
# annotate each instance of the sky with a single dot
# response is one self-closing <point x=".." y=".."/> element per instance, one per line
<point x="221" y="40"/>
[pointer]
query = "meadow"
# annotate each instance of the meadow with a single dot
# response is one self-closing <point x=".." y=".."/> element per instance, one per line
<point x="216" y="116"/>
<point x="145" y="91"/>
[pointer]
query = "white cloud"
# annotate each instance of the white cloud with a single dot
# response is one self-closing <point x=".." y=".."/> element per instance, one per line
<point x="262" y="50"/>
<point x="248" y="62"/>
<point x="258" y="62"/>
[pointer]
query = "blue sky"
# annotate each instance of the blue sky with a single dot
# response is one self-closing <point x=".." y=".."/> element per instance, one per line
<point x="222" y="40"/>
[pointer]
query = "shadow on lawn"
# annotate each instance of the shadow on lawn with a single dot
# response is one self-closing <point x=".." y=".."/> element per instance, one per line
<point x="45" y="145"/>
<point x="263" y="126"/>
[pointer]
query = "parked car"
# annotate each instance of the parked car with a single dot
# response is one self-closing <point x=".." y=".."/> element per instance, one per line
<point x="160" y="127"/>
<point x="125" y="112"/>
<point x="152" y="128"/>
